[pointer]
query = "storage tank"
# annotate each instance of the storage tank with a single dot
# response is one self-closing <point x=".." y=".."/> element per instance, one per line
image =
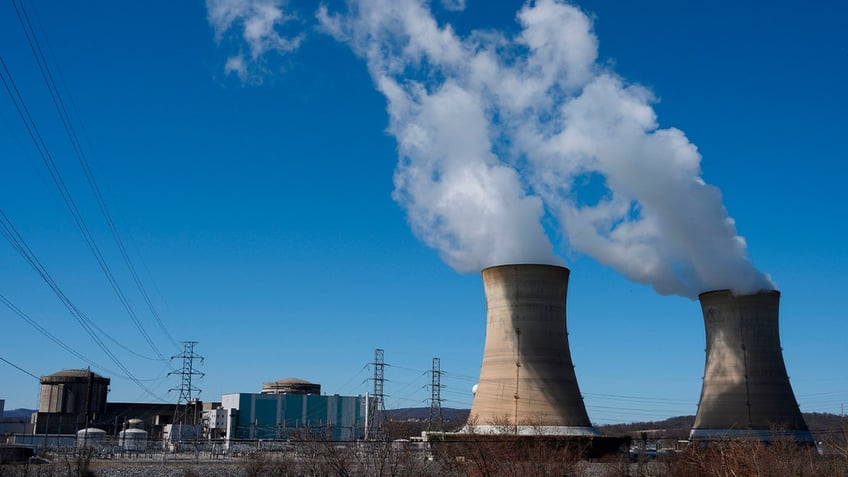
<point x="135" y="423"/>
<point x="527" y="382"/>
<point x="133" y="440"/>
<point x="746" y="391"/>
<point x="91" y="437"/>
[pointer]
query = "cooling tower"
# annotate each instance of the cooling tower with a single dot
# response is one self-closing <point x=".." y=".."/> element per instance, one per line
<point x="746" y="391"/>
<point x="527" y="382"/>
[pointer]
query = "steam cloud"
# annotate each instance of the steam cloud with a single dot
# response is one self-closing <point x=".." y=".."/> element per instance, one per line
<point x="498" y="135"/>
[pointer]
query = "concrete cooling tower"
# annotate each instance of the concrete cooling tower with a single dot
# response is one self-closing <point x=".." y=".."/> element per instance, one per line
<point x="527" y="382"/>
<point x="746" y="391"/>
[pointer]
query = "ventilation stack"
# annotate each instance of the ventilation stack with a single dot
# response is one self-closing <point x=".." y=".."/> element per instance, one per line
<point x="527" y="382"/>
<point x="746" y="391"/>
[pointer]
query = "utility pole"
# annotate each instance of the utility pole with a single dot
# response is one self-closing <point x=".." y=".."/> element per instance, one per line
<point x="436" y="396"/>
<point x="187" y="389"/>
<point x="88" y="390"/>
<point x="377" y="404"/>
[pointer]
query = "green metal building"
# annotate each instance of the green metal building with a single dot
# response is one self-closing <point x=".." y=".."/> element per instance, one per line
<point x="253" y="416"/>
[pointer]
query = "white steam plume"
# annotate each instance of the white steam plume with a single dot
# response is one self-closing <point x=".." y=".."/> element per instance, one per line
<point x="495" y="133"/>
<point x="460" y="197"/>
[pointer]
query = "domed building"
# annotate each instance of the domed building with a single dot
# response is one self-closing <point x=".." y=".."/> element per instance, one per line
<point x="291" y="386"/>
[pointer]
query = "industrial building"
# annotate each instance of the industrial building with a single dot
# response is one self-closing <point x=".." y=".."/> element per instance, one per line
<point x="75" y="399"/>
<point x="746" y="391"/>
<point x="280" y="415"/>
<point x="527" y="382"/>
<point x="10" y="424"/>
<point x="69" y="400"/>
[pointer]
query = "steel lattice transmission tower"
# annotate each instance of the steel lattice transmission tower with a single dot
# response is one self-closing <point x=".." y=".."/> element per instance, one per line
<point x="436" y="396"/>
<point x="187" y="389"/>
<point x="377" y="405"/>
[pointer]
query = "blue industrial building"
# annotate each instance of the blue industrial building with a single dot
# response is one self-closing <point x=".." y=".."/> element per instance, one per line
<point x="281" y="416"/>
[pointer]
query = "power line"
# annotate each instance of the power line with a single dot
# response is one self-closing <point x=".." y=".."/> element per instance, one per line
<point x="7" y="229"/>
<point x="349" y="381"/>
<point x="638" y="398"/>
<point x="11" y="234"/>
<point x="59" y="104"/>
<point x="32" y="322"/>
<point x="47" y="158"/>
<point x="18" y="368"/>
<point x="49" y="335"/>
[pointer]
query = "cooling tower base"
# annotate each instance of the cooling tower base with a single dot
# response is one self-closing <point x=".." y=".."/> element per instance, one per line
<point x="458" y="445"/>
<point x="801" y="436"/>
<point x="531" y="430"/>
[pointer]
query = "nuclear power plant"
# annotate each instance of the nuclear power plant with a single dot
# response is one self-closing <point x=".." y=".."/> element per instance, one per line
<point x="527" y="382"/>
<point x="527" y="388"/>
<point x="746" y="391"/>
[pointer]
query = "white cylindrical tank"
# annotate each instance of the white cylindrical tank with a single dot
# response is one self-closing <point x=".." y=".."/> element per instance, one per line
<point x="135" y="423"/>
<point x="134" y="440"/>
<point x="91" y="437"/>
<point x="527" y="382"/>
<point x="746" y="391"/>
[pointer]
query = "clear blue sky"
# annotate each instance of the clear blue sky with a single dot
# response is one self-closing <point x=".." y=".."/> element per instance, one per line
<point x="259" y="215"/>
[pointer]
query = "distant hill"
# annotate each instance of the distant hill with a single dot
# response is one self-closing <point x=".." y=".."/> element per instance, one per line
<point x="823" y="426"/>
<point x="449" y="415"/>
<point x="671" y="428"/>
<point x="826" y="426"/>
<point x="18" y="412"/>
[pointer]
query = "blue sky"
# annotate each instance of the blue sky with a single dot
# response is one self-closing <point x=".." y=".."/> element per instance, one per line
<point x="259" y="212"/>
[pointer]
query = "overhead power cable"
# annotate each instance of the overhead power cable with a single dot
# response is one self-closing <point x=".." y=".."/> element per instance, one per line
<point x="18" y="367"/>
<point x="11" y="235"/>
<point x="50" y="335"/>
<point x="38" y="53"/>
<point x="647" y="399"/>
<point x="47" y="158"/>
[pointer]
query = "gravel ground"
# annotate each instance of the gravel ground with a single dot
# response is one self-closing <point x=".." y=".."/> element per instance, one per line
<point x="215" y="469"/>
<point x="234" y="469"/>
<point x="129" y="469"/>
